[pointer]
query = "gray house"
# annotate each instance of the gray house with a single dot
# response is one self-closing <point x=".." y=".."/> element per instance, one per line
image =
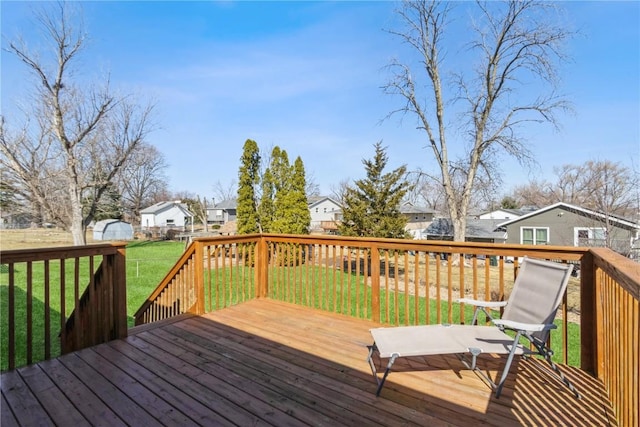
<point x="112" y="229"/>
<point x="568" y="225"/>
<point x="222" y="212"/>
<point x="418" y="218"/>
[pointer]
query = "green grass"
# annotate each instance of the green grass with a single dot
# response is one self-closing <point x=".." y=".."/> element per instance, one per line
<point x="149" y="262"/>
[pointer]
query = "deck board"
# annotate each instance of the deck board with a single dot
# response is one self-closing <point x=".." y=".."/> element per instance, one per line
<point x="270" y="363"/>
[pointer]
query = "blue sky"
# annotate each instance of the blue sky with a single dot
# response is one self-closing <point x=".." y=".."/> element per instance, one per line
<point x="306" y="76"/>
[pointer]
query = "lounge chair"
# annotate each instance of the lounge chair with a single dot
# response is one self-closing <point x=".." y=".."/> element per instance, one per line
<point x="529" y="312"/>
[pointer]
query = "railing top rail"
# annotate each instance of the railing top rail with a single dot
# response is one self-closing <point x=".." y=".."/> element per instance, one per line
<point x="59" y="252"/>
<point x="235" y="238"/>
<point x="569" y="253"/>
<point x="624" y="271"/>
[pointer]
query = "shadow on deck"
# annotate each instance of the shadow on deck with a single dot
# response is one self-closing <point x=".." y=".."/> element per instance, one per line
<point x="270" y="363"/>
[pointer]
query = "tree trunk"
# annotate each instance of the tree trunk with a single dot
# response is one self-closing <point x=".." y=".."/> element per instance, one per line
<point x="78" y="227"/>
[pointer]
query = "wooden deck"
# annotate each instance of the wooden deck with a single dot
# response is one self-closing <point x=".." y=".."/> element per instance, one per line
<point x="271" y="363"/>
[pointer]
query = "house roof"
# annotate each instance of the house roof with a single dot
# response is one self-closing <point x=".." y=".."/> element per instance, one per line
<point x="410" y="209"/>
<point x="102" y="225"/>
<point x="476" y="228"/>
<point x="577" y="209"/>
<point x="162" y="206"/>
<point x="227" y="204"/>
<point x="318" y="199"/>
<point x="517" y="212"/>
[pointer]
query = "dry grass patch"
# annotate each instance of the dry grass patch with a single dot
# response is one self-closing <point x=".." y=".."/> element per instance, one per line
<point x="31" y="238"/>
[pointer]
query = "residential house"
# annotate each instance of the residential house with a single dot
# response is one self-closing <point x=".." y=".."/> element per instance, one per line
<point x="166" y="214"/>
<point x="326" y="213"/>
<point x="418" y="219"/>
<point x="477" y="230"/>
<point x="568" y="225"/>
<point x="222" y="212"/>
<point x="505" y="214"/>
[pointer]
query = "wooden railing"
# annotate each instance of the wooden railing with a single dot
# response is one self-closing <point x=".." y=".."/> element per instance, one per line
<point x="380" y="279"/>
<point x="57" y="300"/>
<point x="615" y="349"/>
<point x="389" y="280"/>
<point x="59" y="292"/>
<point x="211" y="274"/>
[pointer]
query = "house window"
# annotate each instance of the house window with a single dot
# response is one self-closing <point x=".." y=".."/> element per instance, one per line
<point x="534" y="236"/>
<point x="316" y="210"/>
<point x="589" y="236"/>
<point x="325" y="210"/>
<point x="170" y="222"/>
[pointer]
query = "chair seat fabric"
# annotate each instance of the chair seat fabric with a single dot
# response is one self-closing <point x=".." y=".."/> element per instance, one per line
<point x="428" y="340"/>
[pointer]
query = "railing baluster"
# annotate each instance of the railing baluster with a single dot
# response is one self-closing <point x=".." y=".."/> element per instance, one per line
<point x="29" y="312"/>
<point x="12" y="318"/>
<point x="47" y="311"/>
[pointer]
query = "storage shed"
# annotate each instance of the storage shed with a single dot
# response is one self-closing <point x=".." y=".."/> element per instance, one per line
<point x="112" y="229"/>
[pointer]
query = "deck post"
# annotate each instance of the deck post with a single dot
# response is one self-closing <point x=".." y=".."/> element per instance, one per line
<point x="261" y="267"/>
<point x="120" y="292"/>
<point x="199" y="276"/>
<point x="588" y="315"/>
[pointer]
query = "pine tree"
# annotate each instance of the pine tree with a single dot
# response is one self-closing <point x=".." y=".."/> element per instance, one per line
<point x="283" y="206"/>
<point x="282" y="177"/>
<point x="300" y="215"/>
<point x="248" y="178"/>
<point x="371" y="208"/>
<point x="266" y="208"/>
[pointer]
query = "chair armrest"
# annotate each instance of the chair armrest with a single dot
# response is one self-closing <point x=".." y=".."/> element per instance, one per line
<point x="527" y="327"/>
<point x="481" y="303"/>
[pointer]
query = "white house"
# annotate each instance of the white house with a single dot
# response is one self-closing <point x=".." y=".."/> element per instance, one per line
<point x="504" y="214"/>
<point x="325" y="214"/>
<point x="166" y="214"/>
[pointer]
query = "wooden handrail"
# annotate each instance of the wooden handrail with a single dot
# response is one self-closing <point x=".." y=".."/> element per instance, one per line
<point x="616" y="345"/>
<point x="85" y="307"/>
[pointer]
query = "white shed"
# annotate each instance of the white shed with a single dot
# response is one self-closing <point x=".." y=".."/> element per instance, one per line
<point x="112" y="229"/>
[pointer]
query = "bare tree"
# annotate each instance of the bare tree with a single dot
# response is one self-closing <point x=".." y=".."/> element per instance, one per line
<point x="600" y="185"/>
<point x="535" y="193"/>
<point x="142" y="179"/>
<point x="515" y="45"/>
<point x="224" y="192"/>
<point x="86" y="133"/>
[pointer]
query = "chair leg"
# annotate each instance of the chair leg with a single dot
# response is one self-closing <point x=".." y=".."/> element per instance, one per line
<point x="507" y="366"/>
<point x="561" y="376"/>
<point x="374" y="370"/>
<point x="393" y="358"/>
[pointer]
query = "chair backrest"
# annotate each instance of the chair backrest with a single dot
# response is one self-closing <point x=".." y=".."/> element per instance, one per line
<point x="537" y="293"/>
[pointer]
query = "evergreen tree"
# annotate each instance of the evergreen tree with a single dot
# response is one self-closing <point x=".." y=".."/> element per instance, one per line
<point x="282" y="183"/>
<point x="248" y="178"/>
<point x="300" y="215"/>
<point x="102" y="201"/>
<point x="372" y="207"/>
<point x="266" y="208"/>
<point x="283" y="206"/>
